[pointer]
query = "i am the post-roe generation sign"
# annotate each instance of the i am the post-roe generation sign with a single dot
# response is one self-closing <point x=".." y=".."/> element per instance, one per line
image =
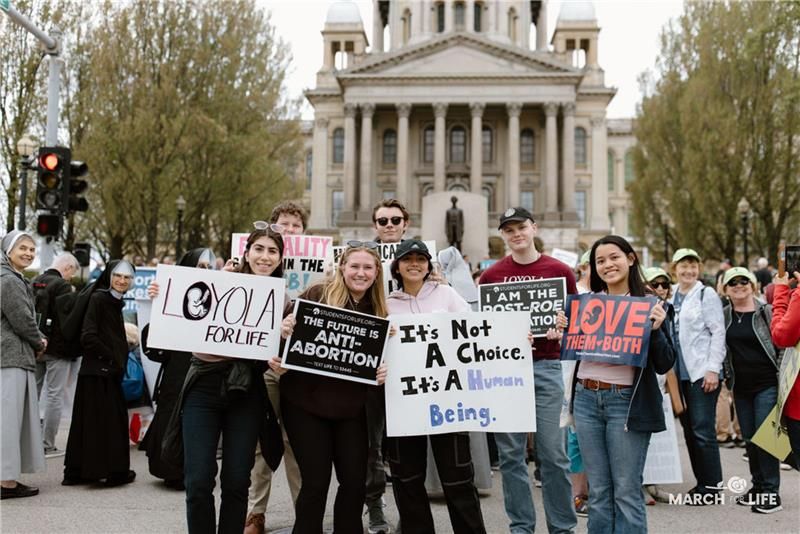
<point x="217" y="312"/>
<point x="607" y="329"/>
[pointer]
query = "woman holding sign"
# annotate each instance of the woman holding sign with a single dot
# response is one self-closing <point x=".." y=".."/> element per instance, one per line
<point x="408" y="455"/>
<point x="617" y="407"/>
<point x="225" y="396"/>
<point x="325" y="417"/>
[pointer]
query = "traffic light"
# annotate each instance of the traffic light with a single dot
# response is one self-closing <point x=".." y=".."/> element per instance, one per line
<point x="77" y="187"/>
<point x="52" y="170"/>
<point x="82" y="252"/>
<point x="48" y="225"/>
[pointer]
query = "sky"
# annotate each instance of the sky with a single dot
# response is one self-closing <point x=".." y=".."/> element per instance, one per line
<point x="629" y="41"/>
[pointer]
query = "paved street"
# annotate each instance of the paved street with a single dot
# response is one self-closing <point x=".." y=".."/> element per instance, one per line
<point x="146" y="506"/>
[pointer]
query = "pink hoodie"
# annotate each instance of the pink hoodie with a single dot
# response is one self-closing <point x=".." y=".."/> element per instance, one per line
<point x="432" y="297"/>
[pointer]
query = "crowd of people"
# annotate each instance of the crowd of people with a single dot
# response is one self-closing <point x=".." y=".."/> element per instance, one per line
<point x="708" y="347"/>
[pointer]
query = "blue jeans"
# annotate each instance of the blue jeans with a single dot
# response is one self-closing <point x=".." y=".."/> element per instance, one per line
<point x="699" y="430"/>
<point x="206" y="414"/>
<point x="752" y="410"/>
<point x="556" y="487"/>
<point x="614" y="460"/>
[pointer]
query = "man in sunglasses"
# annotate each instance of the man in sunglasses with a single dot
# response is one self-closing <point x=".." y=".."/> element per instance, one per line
<point x="390" y="218"/>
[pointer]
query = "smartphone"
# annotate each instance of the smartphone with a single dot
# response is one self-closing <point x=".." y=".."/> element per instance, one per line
<point x="791" y="259"/>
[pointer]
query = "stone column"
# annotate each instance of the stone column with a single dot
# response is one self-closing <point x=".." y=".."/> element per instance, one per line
<point x="512" y="190"/>
<point x="599" y="220"/>
<point x="476" y="155"/>
<point x="448" y="16"/>
<point x="350" y="157"/>
<point x="541" y="29"/>
<point x="365" y="172"/>
<point x="426" y="18"/>
<point x="401" y="191"/>
<point x="469" y="16"/>
<point x="491" y="23"/>
<point x="551" y="162"/>
<point x="377" y="29"/>
<point x="568" y="212"/>
<point x="319" y="176"/>
<point x="440" y="112"/>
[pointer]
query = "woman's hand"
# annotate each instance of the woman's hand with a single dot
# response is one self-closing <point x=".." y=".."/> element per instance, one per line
<point x="275" y="365"/>
<point x="381" y="375"/>
<point x="152" y="290"/>
<point x="784" y="280"/>
<point x="392" y="330"/>
<point x="287" y="326"/>
<point x="230" y="265"/>
<point x="657" y="315"/>
<point x="710" y="381"/>
<point x="561" y="320"/>
<point x="554" y="334"/>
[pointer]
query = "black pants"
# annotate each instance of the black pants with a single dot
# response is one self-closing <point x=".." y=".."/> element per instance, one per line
<point x="408" y="459"/>
<point x="318" y="444"/>
<point x="376" y="425"/>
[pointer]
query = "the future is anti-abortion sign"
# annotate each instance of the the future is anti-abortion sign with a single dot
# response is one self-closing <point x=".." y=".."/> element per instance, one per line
<point x="335" y="342"/>
<point x="543" y="297"/>
<point x="454" y="372"/>
<point x="608" y="329"/>
<point x="217" y="312"/>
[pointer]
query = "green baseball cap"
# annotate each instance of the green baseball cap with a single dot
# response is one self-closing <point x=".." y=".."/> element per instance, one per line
<point x="735" y="272"/>
<point x="683" y="253"/>
<point x="651" y="273"/>
<point x="585" y="258"/>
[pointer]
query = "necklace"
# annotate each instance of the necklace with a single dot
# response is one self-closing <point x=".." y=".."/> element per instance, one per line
<point x="739" y="316"/>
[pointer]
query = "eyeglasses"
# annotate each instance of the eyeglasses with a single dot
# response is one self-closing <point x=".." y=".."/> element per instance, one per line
<point x="383" y="221"/>
<point x="263" y="225"/>
<point x="362" y="244"/>
<point x="738" y="282"/>
<point x="662" y="285"/>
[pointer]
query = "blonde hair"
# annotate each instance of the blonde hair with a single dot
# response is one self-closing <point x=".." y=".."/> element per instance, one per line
<point x="336" y="293"/>
<point x="131" y="334"/>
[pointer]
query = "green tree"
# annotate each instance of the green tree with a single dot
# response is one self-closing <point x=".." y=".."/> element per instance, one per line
<point x="721" y="124"/>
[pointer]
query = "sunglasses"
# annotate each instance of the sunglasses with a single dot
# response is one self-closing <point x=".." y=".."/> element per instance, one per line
<point x="738" y="282"/>
<point x="383" y="221"/>
<point x="264" y="225"/>
<point x="362" y="244"/>
<point x="662" y="285"/>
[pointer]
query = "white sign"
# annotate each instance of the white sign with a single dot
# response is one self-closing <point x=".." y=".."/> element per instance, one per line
<point x="143" y="307"/>
<point x="305" y="258"/>
<point x="565" y="256"/>
<point x="663" y="462"/>
<point x="387" y="252"/>
<point x="217" y="312"/>
<point x="455" y="372"/>
<point x="238" y="244"/>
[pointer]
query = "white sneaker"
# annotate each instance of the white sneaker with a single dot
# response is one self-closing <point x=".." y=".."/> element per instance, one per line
<point x="53" y="452"/>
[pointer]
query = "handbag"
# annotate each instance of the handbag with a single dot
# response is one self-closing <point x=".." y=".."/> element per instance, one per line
<point x="133" y="381"/>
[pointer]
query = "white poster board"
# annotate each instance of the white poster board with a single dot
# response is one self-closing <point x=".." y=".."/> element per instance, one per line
<point x="454" y="372"/>
<point x="663" y="462"/>
<point x="238" y="244"/>
<point x="217" y="312"/>
<point x="151" y="368"/>
<point x="305" y="258"/>
<point x="565" y="256"/>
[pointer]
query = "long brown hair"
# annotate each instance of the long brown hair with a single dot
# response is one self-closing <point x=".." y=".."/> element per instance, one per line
<point x="336" y="293"/>
<point x="244" y="266"/>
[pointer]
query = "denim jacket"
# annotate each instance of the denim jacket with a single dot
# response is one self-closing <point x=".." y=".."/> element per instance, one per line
<point x="761" y="321"/>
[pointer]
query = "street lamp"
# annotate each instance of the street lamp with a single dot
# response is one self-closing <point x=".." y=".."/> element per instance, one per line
<point x="26" y="146"/>
<point x="744" y="212"/>
<point x="180" y="205"/>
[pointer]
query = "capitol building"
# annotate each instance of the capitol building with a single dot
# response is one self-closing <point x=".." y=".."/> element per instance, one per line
<point x="475" y="96"/>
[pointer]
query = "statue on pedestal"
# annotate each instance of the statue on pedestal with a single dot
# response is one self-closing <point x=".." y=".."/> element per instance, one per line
<point x="454" y="224"/>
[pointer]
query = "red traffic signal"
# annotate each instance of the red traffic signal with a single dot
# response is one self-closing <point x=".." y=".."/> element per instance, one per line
<point x="53" y="166"/>
<point x="48" y="225"/>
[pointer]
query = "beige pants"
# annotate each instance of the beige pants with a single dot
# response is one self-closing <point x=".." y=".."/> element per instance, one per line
<point x="726" y="429"/>
<point x="261" y="475"/>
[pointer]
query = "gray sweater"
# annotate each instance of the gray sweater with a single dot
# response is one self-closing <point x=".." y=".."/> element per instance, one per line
<point x="20" y="337"/>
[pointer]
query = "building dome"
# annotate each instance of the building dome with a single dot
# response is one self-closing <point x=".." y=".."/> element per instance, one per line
<point x="576" y="12"/>
<point x="343" y="13"/>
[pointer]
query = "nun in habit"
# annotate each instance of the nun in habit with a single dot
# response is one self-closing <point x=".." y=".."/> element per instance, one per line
<point x="174" y="366"/>
<point x="98" y="447"/>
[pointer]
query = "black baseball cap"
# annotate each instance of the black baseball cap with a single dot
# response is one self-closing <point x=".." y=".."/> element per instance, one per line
<point x="412" y="245"/>
<point x="515" y="215"/>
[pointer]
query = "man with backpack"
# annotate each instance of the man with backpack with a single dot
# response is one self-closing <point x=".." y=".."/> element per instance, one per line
<point x="53" y="369"/>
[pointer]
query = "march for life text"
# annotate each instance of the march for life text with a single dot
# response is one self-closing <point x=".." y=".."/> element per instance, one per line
<point x="217" y="312"/>
<point x="453" y="372"/>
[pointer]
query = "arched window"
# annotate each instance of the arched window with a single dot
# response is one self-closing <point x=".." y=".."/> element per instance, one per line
<point x="309" y="168"/>
<point x="338" y="145"/>
<point x="406" y="26"/>
<point x="389" y="147"/>
<point x="477" y="8"/>
<point x="611" y="176"/>
<point x="487" y="144"/>
<point x="512" y="24"/>
<point x="629" y="176"/>
<point x="580" y="146"/>
<point x="527" y="146"/>
<point x="458" y="145"/>
<point x="428" y="139"/>
<point x="440" y="17"/>
<point x="459" y="11"/>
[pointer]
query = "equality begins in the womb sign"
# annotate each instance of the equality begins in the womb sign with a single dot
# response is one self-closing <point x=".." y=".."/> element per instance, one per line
<point x="217" y="312"/>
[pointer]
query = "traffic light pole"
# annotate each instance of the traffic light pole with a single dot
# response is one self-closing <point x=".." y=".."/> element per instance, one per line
<point x="52" y="45"/>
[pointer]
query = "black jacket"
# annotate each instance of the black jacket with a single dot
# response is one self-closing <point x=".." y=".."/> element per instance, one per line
<point x="645" y="412"/>
<point x="48" y="286"/>
<point x="103" y="336"/>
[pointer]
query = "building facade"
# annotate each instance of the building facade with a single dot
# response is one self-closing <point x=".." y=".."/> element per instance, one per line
<point x="466" y="96"/>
